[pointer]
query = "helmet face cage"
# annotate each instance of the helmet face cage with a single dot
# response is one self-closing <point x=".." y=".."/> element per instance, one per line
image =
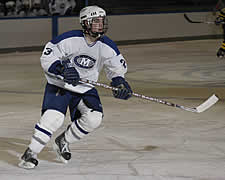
<point x="87" y="17"/>
<point x="88" y="27"/>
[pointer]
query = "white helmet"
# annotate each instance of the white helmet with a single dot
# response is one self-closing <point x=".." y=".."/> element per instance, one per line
<point x="88" y="14"/>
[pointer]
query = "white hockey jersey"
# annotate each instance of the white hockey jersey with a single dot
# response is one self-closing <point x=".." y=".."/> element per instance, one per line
<point x="88" y="60"/>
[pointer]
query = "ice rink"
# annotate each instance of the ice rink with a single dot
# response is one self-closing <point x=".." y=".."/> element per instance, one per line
<point x="138" y="139"/>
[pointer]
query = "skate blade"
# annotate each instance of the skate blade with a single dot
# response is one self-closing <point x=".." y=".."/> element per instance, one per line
<point x="26" y="165"/>
<point x="58" y="154"/>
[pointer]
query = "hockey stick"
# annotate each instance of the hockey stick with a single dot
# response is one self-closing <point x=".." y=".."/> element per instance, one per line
<point x="205" y="22"/>
<point x="202" y="107"/>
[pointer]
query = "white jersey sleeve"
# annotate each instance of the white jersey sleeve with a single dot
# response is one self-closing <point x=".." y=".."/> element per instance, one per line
<point x="50" y="54"/>
<point x="115" y="66"/>
<point x="114" y="63"/>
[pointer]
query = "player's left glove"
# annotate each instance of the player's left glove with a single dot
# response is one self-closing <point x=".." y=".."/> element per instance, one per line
<point x="124" y="90"/>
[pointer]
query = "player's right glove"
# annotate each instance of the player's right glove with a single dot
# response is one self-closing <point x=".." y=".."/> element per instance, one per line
<point x="70" y="74"/>
<point x="66" y="70"/>
<point x="124" y="90"/>
<point x="221" y="51"/>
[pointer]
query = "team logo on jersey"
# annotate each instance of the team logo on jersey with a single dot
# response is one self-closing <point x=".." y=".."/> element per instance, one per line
<point x="84" y="61"/>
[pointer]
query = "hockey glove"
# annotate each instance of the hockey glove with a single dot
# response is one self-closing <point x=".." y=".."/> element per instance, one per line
<point x="124" y="91"/>
<point x="70" y="74"/>
<point x="66" y="70"/>
<point x="221" y="51"/>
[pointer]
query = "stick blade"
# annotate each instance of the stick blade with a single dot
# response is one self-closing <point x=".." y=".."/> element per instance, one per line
<point x="192" y="21"/>
<point x="207" y="104"/>
<point x="189" y="20"/>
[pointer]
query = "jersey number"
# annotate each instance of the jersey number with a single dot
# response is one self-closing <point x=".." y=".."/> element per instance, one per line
<point x="124" y="63"/>
<point x="47" y="51"/>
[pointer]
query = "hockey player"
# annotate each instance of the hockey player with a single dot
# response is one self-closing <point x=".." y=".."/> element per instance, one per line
<point x="220" y="19"/>
<point x="65" y="60"/>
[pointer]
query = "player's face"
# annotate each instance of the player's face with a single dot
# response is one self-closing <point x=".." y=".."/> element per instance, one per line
<point x="98" y="24"/>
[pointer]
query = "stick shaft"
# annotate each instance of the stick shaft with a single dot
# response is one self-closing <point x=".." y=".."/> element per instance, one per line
<point x="207" y="104"/>
<point x="141" y="96"/>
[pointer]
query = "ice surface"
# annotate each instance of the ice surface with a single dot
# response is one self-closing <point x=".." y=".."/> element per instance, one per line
<point x="138" y="139"/>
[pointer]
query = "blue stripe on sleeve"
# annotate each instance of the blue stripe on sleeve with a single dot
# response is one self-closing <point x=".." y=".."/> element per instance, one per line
<point x="69" y="34"/>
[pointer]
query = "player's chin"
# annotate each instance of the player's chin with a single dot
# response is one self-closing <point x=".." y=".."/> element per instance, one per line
<point x="100" y="31"/>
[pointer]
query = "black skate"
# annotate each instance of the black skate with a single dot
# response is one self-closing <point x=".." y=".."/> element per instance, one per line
<point x="28" y="160"/>
<point x="61" y="148"/>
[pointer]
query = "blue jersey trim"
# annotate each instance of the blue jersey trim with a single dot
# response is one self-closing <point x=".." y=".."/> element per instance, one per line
<point x="110" y="43"/>
<point x="69" y="34"/>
